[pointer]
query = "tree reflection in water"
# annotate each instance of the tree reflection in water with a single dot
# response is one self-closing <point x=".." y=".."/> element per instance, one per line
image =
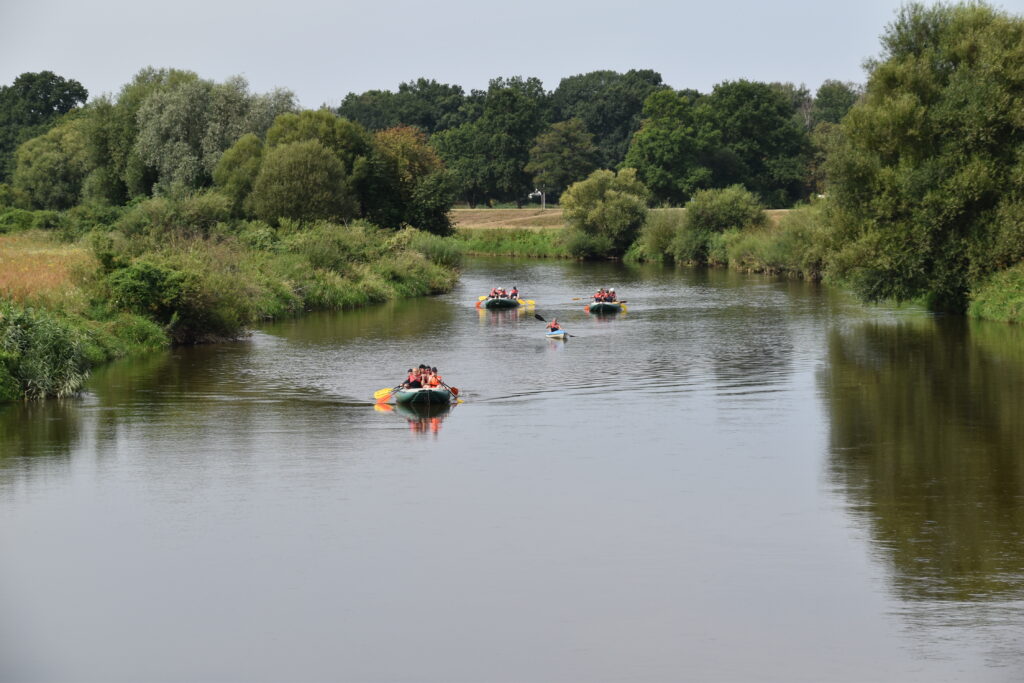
<point x="927" y="446"/>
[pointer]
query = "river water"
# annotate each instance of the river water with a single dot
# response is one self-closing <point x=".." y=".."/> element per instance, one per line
<point x="739" y="479"/>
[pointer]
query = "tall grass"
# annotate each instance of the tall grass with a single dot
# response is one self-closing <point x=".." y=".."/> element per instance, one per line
<point x="514" y="242"/>
<point x="37" y="271"/>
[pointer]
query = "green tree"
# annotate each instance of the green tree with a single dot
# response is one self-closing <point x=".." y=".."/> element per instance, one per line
<point x="237" y="169"/>
<point x="757" y="124"/>
<point x="833" y="100"/>
<point x="465" y="155"/>
<point x="925" y="175"/>
<point x="609" y="104"/>
<point x="184" y="130"/>
<point x="607" y="209"/>
<point x="676" y="153"/>
<point x="52" y="167"/>
<point x="303" y="181"/>
<point x="562" y="155"/>
<point x="29" y="106"/>
<point x="404" y="167"/>
<point x="118" y="172"/>
<point x="515" y="111"/>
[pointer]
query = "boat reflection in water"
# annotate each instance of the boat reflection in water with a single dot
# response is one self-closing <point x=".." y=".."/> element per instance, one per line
<point x="501" y="315"/>
<point x="424" y="418"/>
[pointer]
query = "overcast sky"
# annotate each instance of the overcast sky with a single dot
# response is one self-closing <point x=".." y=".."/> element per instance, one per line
<point x="322" y="50"/>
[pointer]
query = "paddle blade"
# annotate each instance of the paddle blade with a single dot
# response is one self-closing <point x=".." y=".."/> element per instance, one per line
<point x="538" y="317"/>
<point x="454" y="390"/>
<point x="624" y="309"/>
<point x="478" y="304"/>
<point x="531" y="302"/>
<point x="383" y="407"/>
<point x="481" y="298"/>
<point x="383" y="392"/>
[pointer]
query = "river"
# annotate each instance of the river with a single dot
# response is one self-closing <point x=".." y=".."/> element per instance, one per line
<point x="739" y="479"/>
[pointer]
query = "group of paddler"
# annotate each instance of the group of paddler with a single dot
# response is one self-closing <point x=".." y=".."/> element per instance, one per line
<point x="426" y="378"/>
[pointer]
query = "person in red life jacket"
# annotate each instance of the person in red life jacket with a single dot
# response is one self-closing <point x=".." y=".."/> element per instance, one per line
<point x="611" y="294"/>
<point x="514" y="293"/>
<point x="502" y="293"/>
<point x="434" y="380"/>
<point x="553" y="326"/>
<point x="411" y="380"/>
<point x="494" y="293"/>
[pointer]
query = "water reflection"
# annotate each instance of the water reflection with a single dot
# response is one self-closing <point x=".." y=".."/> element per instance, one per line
<point x="926" y="447"/>
<point x="422" y="418"/>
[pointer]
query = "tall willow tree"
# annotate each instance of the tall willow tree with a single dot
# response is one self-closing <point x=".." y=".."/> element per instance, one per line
<point x="927" y="170"/>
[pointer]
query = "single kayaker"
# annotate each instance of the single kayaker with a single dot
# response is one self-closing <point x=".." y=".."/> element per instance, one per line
<point x="553" y="326"/>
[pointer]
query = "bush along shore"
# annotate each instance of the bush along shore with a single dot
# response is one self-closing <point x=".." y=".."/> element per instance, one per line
<point x="92" y="284"/>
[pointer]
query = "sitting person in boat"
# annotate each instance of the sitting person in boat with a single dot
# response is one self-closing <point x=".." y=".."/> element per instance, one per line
<point x="494" y="293"/>
<point x="502" y="293"/>
<point x="434" y="379"/>
<point x="611" y="295"/>
<point x="514" y="294"/>
<point x="553" y="326"/>
<point x="412" y="380"/>
<point x="600" y="295"/>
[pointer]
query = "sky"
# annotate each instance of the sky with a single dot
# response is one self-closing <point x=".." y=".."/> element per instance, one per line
<point x="323" y="49"/>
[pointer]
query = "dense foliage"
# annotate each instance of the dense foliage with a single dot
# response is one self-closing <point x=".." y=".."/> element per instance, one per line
<point x="606" y="211"/>
<point x="927" y="173"/>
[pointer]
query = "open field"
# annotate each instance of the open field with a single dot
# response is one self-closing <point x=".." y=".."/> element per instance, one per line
<point x="537" y="219"/>
<point x="524" y="219"/>
<point x="35" y="270"/>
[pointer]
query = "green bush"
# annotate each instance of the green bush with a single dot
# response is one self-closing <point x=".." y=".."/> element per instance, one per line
<point x="440" y="250"/>
<point x="585" y="246"/>
<point x="16" y="220"/>
<point x="1000" y="297"/>
<point x="44" y="355"/>
<point x="657" y="234"/>
<point x="609" y="207"/>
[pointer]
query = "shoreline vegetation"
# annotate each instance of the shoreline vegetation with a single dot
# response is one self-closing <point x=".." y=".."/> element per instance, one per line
<point x="72" y="300"/>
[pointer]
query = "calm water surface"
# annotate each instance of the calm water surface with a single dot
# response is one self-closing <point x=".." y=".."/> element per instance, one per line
<point x="740" y="479"/>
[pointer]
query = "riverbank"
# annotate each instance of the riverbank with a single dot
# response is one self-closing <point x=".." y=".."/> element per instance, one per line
<point x="73" y="297"/>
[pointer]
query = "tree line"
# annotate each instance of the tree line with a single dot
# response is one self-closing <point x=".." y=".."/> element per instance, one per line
<point x="403" y="157"/>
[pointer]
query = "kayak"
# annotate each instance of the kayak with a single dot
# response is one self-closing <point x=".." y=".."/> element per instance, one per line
<point x="558" y="334"/>
<point x="605" y="307"/>
<point x="501" y="302"/>
<point x="423" y="395"/>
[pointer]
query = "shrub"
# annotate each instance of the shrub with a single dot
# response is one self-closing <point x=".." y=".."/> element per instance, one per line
<point x="45" y="356"/>
<point x="610" y="207"/>
<point x="583" y="245"/>
<point x="1000" y="297"/>
<point x="440" y="250"/>
<point x="657" y="234"/>
<point x="16" y="220"/>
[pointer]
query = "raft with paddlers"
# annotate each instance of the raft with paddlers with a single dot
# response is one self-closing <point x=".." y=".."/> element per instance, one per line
<point x="604" y="307"/>
<point x="501" y="302"/>
<point x="424" y="395"/>
<point x="423" y="385"/>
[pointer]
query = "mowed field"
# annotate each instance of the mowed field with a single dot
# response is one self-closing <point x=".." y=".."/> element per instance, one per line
<point x="528" y="219"/>
<point x="537" y="219"/>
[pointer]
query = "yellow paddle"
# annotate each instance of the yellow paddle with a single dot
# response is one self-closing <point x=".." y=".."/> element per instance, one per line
<point x="481" y="298"/>
<point x="524" y="302"/>
<point x="383" y="394"/>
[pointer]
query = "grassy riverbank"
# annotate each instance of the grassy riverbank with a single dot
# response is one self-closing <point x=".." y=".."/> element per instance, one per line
<point x="168" y="272"/>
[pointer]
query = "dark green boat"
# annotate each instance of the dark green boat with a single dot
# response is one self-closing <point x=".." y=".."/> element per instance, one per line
<point x="501" y="302"/>
<point x="423" y="396"/>
<point x="605" y="307"/>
